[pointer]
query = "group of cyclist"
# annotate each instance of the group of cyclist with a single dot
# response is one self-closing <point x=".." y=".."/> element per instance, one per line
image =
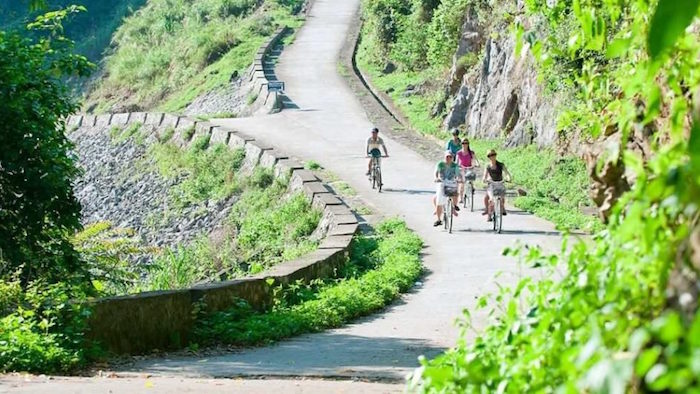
<point x="456" y="168"/>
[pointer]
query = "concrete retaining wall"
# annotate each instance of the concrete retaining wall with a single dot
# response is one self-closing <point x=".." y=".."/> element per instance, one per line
<point x="266" y="102"/>
<point x="163" y="319"/>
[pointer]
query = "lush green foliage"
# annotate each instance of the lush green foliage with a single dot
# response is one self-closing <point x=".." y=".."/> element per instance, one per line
<point x="170" y="51"/>
<point x="36" y="170"/>
<point x="381" y="266"/>
<point x="415" y="33"/>
<point x="40" y="329"/>
<point x="614" y="321"/>
<point x="272" y="227"/>
<point x="91" y="30"/>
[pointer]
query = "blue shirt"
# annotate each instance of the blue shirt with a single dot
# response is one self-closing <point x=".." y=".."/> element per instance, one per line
<point x="453" y="146"/>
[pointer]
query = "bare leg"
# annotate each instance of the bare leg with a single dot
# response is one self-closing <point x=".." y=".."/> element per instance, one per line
<point x="454" y="203"/>
<point x="486" y="203"/>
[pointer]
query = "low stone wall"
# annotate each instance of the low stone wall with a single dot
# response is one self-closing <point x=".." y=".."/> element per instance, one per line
<point x="267" y="101"/>
<point x="163" y="319"/>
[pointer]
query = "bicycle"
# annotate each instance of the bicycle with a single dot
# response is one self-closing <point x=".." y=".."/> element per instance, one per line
<point x="449" y="190"/>
<point x="468" y="197"/>
<point x="375" y="173"/>
<point x="498" y="192"/>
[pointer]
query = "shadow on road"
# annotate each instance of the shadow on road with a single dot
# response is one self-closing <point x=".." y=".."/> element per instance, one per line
<point x="505" y="231"/>
<point x="407" y="191"/>
<point x="331" y="354"/>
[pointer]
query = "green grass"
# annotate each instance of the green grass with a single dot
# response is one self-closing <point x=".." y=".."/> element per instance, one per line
<point x="211" y="173"/>
<point x="217" y="115"/>
<point x="272" y="227"/>
<point x="171" y="51"/>
<point x="416" y="108"/>
<point x="556" y="186"/>
<point x="381" y="266"/>
<point x="120" y="134"/>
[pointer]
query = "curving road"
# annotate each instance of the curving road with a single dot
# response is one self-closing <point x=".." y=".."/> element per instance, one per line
<point x="330" y="127"/>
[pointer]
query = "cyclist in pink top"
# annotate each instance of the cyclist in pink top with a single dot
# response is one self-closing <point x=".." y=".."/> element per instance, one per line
<point x="466" y="158"/>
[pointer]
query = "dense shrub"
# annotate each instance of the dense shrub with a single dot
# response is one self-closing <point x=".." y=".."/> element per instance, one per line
<point x="38" y="209"/>
<point x="45" y="331"/>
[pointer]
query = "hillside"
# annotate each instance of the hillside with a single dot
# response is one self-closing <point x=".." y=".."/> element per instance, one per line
<point x="172" y="51"/>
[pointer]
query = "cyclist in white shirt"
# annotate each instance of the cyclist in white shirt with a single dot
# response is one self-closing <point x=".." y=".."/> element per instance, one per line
<point x="372" y="149"/>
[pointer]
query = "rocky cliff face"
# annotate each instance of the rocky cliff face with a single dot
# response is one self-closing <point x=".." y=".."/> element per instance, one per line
<point x="499" y="96"/>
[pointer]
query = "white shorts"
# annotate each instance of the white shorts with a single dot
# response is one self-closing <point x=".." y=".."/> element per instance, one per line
<point x="440" y="193"/>
<point x="497" y="188"/>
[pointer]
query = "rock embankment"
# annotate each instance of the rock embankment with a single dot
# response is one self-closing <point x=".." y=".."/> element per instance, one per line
<point x="494" y="90"/>
<point x="121" y="184"/>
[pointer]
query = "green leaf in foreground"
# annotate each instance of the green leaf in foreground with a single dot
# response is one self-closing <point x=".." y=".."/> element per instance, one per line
<point x="668" y="23"/>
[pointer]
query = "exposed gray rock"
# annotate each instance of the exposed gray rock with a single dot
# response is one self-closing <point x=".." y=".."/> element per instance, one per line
<point x="120" y="184"/>
<point x="230" y="99"/>
<point x="502" y="97"/>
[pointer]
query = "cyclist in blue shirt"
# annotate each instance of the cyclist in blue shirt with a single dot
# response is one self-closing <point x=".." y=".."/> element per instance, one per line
<point x="454" y="144"/>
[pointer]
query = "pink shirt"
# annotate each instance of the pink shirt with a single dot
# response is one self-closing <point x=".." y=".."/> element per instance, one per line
<point x="465" y="159"/>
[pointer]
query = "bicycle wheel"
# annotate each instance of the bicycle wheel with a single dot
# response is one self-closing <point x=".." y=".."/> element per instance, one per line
<point x="500" y="216"/>
<point x="471" y="199"/>
<point x="493" y="214"/>
<point x="450" y="216"/>
<point x="497" y="217"/>
<point x="379" y="179"/>
<point x="445" y="215"/>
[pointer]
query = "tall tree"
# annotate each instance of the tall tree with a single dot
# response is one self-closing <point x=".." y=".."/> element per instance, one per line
<point x="37" y="207"/>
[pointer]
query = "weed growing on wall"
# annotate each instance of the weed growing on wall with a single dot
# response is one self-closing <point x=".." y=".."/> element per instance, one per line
<point x="381" y="266"/>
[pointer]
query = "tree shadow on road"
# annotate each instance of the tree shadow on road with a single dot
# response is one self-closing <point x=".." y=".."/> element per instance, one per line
<point x="328" y="354"/>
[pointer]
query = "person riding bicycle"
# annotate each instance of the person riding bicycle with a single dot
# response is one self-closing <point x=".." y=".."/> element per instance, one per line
<point x="454" y="144"/>
<point x="494" y="173"/>
<point x="446" y="170"/>
<point x="466" y="158"/>
<point x="372" y="148"/>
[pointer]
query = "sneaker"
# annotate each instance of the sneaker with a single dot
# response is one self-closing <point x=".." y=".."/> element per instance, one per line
<point x="437" y="223"/>
<point x="367" y="173"/>
<point x="504" y="213"/>
<point x="485" y="213"/>
<point x="456" y="208"/>
<point x="488" y="219"/>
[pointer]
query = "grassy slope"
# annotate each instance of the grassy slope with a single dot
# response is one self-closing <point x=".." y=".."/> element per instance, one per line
<point x="267" y="225"/>
<point x="171" y="51"/>
<point x="557" y="186"/>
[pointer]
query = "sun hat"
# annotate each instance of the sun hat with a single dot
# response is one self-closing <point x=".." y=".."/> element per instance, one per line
<point x="448" y="153"/>
<point x="492" y="152"/>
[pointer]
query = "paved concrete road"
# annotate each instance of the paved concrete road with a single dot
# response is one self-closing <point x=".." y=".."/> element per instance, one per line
<point x="330" y="127"/>
<point x="168" y="385"/>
